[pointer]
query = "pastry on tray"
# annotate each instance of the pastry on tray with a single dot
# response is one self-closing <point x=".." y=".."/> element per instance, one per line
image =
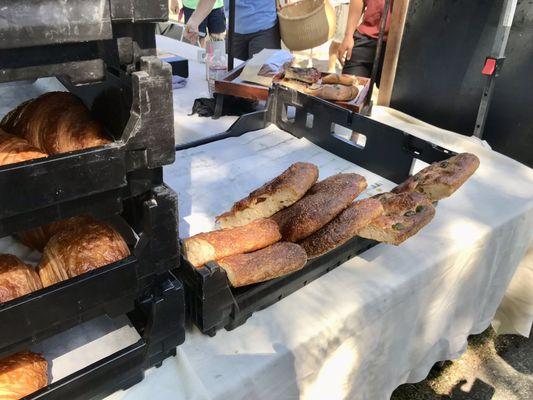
<point x="14" y="149"/>
<point x="22" y="374"/>
<point x="16" y="278"/>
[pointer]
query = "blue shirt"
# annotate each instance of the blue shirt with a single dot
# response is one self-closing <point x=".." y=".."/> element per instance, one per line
<point x="253" y="15"/>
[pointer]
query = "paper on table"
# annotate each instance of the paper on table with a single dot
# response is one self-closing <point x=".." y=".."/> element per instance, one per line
<point x="267" y="59"/>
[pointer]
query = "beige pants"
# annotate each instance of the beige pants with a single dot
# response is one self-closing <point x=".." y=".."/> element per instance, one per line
<point x="341" y="12"/>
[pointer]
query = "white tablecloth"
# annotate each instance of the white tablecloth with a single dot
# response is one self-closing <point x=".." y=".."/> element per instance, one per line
<point x="373" y="323"/>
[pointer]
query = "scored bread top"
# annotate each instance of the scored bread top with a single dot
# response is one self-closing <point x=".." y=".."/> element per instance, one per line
<point x="441" y="179"/>
<point x="280" y="192"/>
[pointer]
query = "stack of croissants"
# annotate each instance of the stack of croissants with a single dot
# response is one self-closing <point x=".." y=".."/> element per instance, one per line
<point x="293" y="218"/>
<point x="53" y="123"/>
<point x="69" y="248"/>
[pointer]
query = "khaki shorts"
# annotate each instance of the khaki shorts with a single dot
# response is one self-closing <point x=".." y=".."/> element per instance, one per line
<point x="341" y="12"/>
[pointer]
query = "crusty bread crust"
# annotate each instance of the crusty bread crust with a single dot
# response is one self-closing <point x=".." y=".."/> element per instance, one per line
<point x="342" y="228"/>
<point x="441" y="179"/>
<point x="280" y="192"/>
<point x="404" y="215"/>
<point x="210" y="246"/>
<point x="342" y="79"/>
<point x="262" y="265"/>
<point x="334" y="92"/>
<point x="323" y="202"/>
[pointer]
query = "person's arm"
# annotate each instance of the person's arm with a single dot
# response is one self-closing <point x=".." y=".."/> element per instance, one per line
<point x="202" y="11"/>
<point x="354" y="16"/>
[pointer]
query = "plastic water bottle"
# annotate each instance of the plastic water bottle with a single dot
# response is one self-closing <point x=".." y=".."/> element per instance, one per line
<point x="216" y="63"/>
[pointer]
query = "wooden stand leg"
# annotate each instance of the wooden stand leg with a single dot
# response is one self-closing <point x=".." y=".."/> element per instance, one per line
<point x="218" y="106"/>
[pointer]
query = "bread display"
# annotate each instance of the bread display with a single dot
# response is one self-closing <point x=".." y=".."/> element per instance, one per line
<point x="16" y="278"/>
<point x="342" y="79"/>
<point x="335" y="92"/>
<point x="343" y="227"/>
<point x="14" y="149"/>
<point x="404" y="215"/>
<point x="210" y="246"/>
<point x="262" y="265"/>
<point x="79" y="249"/>
<point x="37" y="238"/>
<point x="323" y="202"/>
<point x="22" y="374"/>
<point x="441" y="179"/>
<point x="280" y="192"/>
<point x="55" y="122"/>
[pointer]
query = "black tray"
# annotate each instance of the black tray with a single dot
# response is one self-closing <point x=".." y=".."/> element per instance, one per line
<point x="211" y="302"/>
<point x="110" y="290"/>
<point x="159" y="319"/>
<point x="137" y="110"/>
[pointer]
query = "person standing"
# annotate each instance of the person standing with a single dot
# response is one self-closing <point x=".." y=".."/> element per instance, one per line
<point x="341" y="14"/>
<point x="214" y="23"/>
<point x="256" y="26"/>
<point x="358" y="47"/>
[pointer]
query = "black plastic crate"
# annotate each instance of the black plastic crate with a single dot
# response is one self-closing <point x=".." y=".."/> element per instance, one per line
<point x="389" y="152"/>
<point x="137" y="111"/>
<point x="110" y="290"/>
<point x="159" y="318"/>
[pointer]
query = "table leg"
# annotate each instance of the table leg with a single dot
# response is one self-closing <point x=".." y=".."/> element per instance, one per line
<point x="218" y="106"/>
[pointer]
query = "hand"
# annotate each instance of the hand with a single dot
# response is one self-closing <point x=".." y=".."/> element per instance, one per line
<point x="191" y="30"/>
<point x="345" y="49"/>
<point x="174" y="7"/>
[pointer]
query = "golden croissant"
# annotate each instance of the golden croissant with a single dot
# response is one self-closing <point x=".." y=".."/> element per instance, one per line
<point x="16" y="279"/>
<point x="14" y="149"/>
<point x="22" y="374"/>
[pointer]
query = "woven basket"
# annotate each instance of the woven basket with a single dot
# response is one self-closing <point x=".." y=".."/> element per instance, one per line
<point x="306" y="24"/>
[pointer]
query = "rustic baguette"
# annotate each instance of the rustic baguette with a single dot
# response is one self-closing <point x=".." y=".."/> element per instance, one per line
<point x="262" y="265"/>
<point x="210" y="246"/>
<point x="334" y="92"/>
<point x="344" y="227"/>
<point x="404" y="215"/>
<point x="342" y="79"/>
<point x="273" y="196"/>
<point x="441" y="179"/>
<point x="320" y="205"/>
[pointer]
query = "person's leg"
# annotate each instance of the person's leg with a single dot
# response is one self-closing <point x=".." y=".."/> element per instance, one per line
<point x="333" y="47"/>
<point x="240" y="45"/>
<point x="216" y="22"/>
<point x="267" y="39"/>
<point x="341" y="13"/>
<point x="360" y="63"/>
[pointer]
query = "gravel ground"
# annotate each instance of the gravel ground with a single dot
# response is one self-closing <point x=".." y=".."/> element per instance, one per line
<point x="492" y="368"/>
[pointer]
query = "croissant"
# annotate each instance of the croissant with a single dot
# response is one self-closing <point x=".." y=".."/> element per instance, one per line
<point x="79" y="249"/>
<point x="16" y="279"/>
<point x="55" y="122"/>
<point x="14" y="149"/>
<point x="37" y="238"/>
<point x="22" y="374"/>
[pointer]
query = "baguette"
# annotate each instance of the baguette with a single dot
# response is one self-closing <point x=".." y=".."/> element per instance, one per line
<point x="404" y="215"/>
<point x="342" y="79"/>
<point x="441" y="179"/>
<point x="320" y="205"/>
<point x="210" y="246"/>
<point x="334" y="92"/>
<point x="262" y="265"/>
<point x="280" y="192"/>
<point x="344" y="227"/>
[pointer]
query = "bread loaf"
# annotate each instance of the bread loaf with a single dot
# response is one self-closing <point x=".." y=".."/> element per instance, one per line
<point x="334" y="92"/>
<point x="55" y="122"/>
<point x="262" y="265"/>
<point x="16" y="278"/>
<point x="210" y="246"/>
<point x="79" y="249"/>
<point x="273" y="196"/>
<point x="342" y="228"/>
<point x="404" y="215"/>
<point x="14" y="149"/>
<point x="307" y="75"/>
<point x="441" y="179"/>
<point x="342" y="79"/>
<point x="323" y="202"/>
<point x="22" y="374"/>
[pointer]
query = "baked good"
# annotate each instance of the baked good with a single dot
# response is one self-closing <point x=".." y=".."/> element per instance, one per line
<point x="404" y="215"/>
<point x="342" y="228"/>
<point x="16" y="278"/>
<point x="342" y="79"/>
<point x="333" y="92"/>
<point x="273" y="196"/>
<point x="307" y="75"/>
<point x="14" y="149"/>
<point x="262" y="265"/>
<point x="441" y="179"/>
<point x="37" y="238"/>
<point x="55" y="122"/>
<point x="79" y="249"/>
<point x="210" y="246"/>
<point x="22" y="374"/>
<point x="323" y="202"/>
